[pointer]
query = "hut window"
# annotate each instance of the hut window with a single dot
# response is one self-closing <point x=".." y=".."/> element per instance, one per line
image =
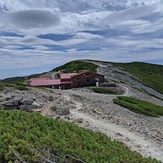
<point x="87" y="75"/>
<point x="88" y="79"/>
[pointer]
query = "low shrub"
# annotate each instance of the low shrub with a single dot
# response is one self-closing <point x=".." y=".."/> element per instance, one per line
<point x="33" y="138"/>
<point x="21" y="88"/>
<point x="2" y="88"/>
<point x="54" y="108"/>
<point x="139" y="106"/>
<point x="104" y="91"/>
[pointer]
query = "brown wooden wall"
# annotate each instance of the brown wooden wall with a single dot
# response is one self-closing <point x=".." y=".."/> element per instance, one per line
<point x="86" y="79"/>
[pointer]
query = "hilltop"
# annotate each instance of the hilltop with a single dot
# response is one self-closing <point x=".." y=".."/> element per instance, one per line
<point x="141" y="130"/>
<point x="144" y="76"/>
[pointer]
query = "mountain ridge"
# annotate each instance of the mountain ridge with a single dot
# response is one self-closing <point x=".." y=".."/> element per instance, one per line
<point x="143" y="76"/>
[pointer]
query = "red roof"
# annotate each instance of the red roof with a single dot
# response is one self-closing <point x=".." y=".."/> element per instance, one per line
<point x="44" y="82"/>
<point x="67" y="75"/>
<point x="50" y="82"/>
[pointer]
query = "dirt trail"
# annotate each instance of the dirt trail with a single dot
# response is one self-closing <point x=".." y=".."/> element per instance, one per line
<point x="134" y="141"/>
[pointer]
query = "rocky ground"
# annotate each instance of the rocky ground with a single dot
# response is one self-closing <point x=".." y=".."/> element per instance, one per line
<point x="97" y="112"/>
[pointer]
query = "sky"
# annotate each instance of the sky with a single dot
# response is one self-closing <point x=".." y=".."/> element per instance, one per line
<point x="38" y="35"/>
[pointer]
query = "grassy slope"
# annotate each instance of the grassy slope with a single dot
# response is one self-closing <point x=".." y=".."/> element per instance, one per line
<point x="139" y="106"/>
<point x="12" y="79"/>
<point x="77" y="66"/>
<point x="24" y="131"/>
<point x="150" y="74"/>
<point x="104" y="91"/>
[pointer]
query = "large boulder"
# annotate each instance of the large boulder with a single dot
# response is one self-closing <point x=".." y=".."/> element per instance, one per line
<point x="18" y="102"/>
<point x="14" y="101"/>
<point x="3" y="99"/>
<point x="27" y="108"/>
<point x="10" y="103"/>
<point x="51" y="98"/>
<point x="26" y="101"/>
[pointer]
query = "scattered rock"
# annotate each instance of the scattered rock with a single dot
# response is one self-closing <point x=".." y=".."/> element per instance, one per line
<point x="79" y="120"/>
<point x="146" y="145"/>
<point x="4" y="99"/>
<point x="18" y="102"/>
<point x="10" y="107"/>
<point x="51" y="98"/>
<point x="62" y="111"/>
<point x="25" y="108"/>
<point x="36" y="105"/>
<point x="138" y="146"/>
<point x="38" y="110"/>
<point x="127" y="139"/>
<point x="119" y="134"/>
<point x="26" y="101"/>
<point x="58" y="117"/>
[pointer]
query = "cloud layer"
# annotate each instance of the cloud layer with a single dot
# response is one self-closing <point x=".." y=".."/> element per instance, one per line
<point x="47" y="32"/>
<point x="30" y="19"/>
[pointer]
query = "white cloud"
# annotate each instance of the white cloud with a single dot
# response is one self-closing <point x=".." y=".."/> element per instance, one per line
<point x="119" y="17"/>
<point x="87" y="35"/>
<point x="102" y="29"/>
<point x="150" y="27"/>
<point x="30" y="40"/>
<point x="24" y="16"/>
<point x="40" y="47"/>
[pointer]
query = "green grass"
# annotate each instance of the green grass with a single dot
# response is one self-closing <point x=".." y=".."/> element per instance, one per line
<point x="104" y="91"/>
<point x="25" y="133"/>
<point x="149" y="74"/>
<point x="77" y="66"/>
<point x="15" y="86"/>
<point x="21" y="87"/>
<point x="2" y="88"/>
<point x="139" y="106"/>
<point x="54" y="108"/>
<point x="13" y="80"/>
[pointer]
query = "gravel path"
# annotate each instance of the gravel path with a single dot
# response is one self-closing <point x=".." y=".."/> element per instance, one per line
<point x="122" y="125"/>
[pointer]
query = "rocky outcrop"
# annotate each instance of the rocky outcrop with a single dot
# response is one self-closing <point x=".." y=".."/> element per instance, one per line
<point x="63" y="111"/>
<point x="18" y="102"/>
